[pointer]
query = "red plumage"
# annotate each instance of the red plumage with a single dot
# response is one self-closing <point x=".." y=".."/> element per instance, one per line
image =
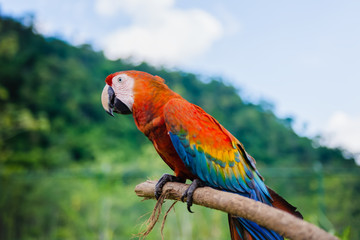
<point x="195" y="145"/>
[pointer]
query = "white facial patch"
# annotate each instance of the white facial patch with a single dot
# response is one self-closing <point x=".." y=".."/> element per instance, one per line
<point x="123" y="86"/>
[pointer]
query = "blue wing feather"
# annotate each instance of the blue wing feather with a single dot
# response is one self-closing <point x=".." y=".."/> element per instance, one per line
<point x="214" y="172"/>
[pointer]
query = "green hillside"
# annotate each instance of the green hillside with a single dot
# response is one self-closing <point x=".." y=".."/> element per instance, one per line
<point x="68" y="170"/>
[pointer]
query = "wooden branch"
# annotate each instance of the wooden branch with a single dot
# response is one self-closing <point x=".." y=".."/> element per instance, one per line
<point x="269" y="217"/>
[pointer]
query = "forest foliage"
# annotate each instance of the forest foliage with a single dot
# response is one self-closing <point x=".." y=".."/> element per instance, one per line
<point x="68" y="170"/>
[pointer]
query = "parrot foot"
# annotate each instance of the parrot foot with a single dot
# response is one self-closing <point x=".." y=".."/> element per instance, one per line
<point x="163" y="180"/>
<point x="188" y="194"/>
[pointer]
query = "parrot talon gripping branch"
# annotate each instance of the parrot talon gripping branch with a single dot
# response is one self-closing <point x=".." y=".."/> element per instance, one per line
<point x="188" y="194"/>
<point x="193" y="144"/>
<point x="165" y="179"/>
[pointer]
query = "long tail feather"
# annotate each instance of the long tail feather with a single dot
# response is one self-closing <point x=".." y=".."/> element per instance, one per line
<point x="243" y="229"/>
<point x="282" y="204"/>
<point x="236" y="230"/>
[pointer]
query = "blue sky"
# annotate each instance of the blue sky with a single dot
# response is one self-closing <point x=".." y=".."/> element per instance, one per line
<point x="303" y="56"/>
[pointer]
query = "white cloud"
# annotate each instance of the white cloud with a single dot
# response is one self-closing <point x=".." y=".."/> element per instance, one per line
<point x="343" y="130"/>
<point x="158" y="33"/>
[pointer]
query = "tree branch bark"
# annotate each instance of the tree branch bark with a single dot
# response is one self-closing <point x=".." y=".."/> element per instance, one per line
<point x="269" y="217"/>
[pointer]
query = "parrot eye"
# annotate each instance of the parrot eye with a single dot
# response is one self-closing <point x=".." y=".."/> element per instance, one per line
<point x="119" y="79"/>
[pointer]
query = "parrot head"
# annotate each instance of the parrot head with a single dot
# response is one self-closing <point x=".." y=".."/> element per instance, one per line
<point x="118" y="93"/>
<point x="125" y="90"/>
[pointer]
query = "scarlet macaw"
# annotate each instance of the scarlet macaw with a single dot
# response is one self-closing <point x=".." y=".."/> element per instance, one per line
<point x="193" y="143"/>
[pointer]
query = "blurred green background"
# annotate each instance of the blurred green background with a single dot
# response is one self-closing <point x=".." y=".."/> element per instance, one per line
<point x="68" y="170"/>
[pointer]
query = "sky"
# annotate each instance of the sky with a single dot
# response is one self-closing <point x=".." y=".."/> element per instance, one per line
<point x="302" y="56"/>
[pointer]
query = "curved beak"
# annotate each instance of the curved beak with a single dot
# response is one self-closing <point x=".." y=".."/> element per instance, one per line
<point x="111" y="103"/>
<point x="107" y="99"/>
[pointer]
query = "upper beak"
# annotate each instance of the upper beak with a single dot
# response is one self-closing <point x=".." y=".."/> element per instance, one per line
<point x="107" y="99"/>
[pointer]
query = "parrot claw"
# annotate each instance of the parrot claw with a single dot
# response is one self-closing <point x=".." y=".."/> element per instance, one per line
<point x="163" y="180"/>
<point x="188" y="194"/>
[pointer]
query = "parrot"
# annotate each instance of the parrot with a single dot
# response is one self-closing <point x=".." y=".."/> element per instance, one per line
<point x="193" y="144"/>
